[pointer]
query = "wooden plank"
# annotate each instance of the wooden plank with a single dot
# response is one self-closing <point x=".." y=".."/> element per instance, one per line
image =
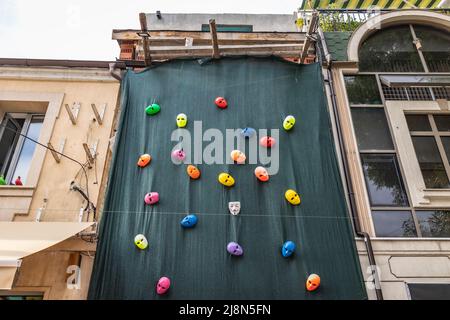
<point x="205" y="36"/>
<point x="99" y="114"/>
<point x="214" y="42"/>
<point x="73" y="111"/>
<point x="145" y="44"/>
<point x="165" y="41"/>
<point x="225" y="48"/>
<point x="55" y="154"/>
<point x="168" y="56"/>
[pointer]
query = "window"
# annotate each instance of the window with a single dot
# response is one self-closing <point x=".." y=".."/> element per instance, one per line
<point x="394" y="50"/>
<point x="434" y="223"/>
<point x="362" y="89"/>
<point x="435" y="48"/>
<point x="383" y="180"/>
<point x="16" y="152"/>
<point x="429" y="291"/>
<point x="22" y="296"/>
<point x="390" y="50"/>
<point x="371" y="129"/>
<point x="431" y="140"/>
<point x="394" y="224"/>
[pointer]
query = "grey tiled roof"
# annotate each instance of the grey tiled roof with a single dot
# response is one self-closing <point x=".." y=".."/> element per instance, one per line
<point x="337" y="44"/>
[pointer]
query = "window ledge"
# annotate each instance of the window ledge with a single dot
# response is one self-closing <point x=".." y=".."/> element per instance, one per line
<point x="16" y="191"/>
<point x="436" y="193"/>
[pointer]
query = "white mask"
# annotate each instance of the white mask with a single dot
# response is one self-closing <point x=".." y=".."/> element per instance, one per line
<point x="234" y="207"/>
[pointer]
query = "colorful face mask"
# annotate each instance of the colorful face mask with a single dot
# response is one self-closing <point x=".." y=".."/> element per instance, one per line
<point x="267" y="142"/>
<point x="248" y="132"/>
<point x="288" y="249"/>
<point x="221" y="102"/>
<point x="141" y="241"/>
<point x="181" y="120"/>
<point x="193" y="172"/>
<point x="189" y="221"/>
<point x="238" y="156"/>
<point x="292" y="197"/>
<point x="226" y="179"/>
<point x="235" y="249"/>
<point x="151" y="198"/>
<point x="234" y="207"/>
<point x="178" y="155"/>
<point x="288" y="123"/>
<point x="261" y="174"/>
<point x="313" y="282"/>
<point x="144" y="160"/>
<point x="163" y="285"/>
<point x="152" y="109"/>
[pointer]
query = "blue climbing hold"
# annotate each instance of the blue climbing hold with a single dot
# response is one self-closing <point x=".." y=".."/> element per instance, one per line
<point x="248" y="132"/>
<point x="189" y="221"/>
<point x="288" y="249"/>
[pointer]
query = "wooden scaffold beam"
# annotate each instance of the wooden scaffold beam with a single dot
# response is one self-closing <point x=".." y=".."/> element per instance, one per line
<point x="144" y="35"/>
<point x="215" y="42"/>
<point x="313" y="23"/>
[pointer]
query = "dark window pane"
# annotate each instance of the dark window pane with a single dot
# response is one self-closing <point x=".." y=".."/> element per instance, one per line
<point x="372" y="131"/>
<point x="434" y="223"/>
<point x="362" y="90"/>
<point x="8" y="142"/>
<point x="383" y="180"/>
<point x="442" y="123"/>
<point x="26" y="154"/>
<point x="430" y="162"/>
<point x="446" y="143"/>
<point x="390" y="49"/>
<point x="418" y="122"/>
<point x="394" y="224"/>
<point x="429" y="291"/>
<point x="435" y="48"/>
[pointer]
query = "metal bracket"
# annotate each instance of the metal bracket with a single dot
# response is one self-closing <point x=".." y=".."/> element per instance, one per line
<point x="57" y="155"/>
<point x="99" y="113"/>
<point x="73" y="111"/>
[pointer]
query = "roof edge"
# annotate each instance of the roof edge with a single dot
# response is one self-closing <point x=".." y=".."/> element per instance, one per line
<point x="59" y="63"/>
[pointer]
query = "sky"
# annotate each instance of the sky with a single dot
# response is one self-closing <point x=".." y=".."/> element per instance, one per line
<point x="81" y="29"/>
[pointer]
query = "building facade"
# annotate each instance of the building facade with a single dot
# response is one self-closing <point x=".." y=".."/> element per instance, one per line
<point x="56" y="124"/>
<point x="390" y="85"/>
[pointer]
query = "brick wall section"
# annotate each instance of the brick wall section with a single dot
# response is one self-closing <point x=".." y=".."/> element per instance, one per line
<point x="127" y="50"/>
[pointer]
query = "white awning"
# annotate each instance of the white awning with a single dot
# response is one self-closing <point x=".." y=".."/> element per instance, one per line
<point x="21" y="239"/>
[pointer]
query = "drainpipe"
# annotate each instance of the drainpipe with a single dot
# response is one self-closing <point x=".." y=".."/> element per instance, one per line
<point x="114" y="72"/>
<point x="364" y="235"/>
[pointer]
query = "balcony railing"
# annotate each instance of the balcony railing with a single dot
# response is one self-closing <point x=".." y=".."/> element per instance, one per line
<point x="349" y="19"/>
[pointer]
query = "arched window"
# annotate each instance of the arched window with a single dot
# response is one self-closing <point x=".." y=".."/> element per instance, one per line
<point x="406" y="48"/>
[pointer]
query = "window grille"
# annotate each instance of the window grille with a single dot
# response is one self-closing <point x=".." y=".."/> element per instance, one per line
<point x="415" y="93"/>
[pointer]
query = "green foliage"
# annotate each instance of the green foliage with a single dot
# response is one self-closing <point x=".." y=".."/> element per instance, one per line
<point x="338" y="21"/>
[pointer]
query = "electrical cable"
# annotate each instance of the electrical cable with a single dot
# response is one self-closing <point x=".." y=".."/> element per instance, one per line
<point x="60" y="153"/>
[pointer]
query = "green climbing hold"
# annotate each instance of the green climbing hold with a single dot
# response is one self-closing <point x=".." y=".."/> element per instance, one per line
<point x="152" y="109"/>
<point x="2" y="181"/>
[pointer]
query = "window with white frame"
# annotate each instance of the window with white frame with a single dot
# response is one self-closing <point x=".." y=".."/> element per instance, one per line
<point x="406" y="49"/>
<point x="16" y="152"/>
<point x="430" y="134"/>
